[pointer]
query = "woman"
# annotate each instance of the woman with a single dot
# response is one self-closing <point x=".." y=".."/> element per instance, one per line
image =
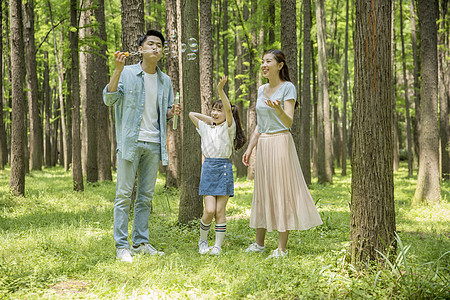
<point x="281" y="199"/>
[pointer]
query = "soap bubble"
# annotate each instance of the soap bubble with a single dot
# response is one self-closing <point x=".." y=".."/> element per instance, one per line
<point x="194" y="47"/>
<point x="173" y="35"/>
<point x="183" y="47"/>
<point x="174" y="54"/>
<point x="166" y="50"/>
<point x="193" y="44"/>
<point x="191" y="56"/>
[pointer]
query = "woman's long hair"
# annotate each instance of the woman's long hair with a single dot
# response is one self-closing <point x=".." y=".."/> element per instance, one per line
<point x="284" y="72"/>
<point x="239" y="139"/>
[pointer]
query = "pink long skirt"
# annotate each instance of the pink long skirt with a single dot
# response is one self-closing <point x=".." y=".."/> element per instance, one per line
<point x="281" y="199"/>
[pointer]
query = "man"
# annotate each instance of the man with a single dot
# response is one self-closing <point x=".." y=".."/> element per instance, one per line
<point x="143" y="99"/>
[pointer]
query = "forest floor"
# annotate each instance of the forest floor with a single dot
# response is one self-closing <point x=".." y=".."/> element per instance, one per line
<point x="58" y="244"/>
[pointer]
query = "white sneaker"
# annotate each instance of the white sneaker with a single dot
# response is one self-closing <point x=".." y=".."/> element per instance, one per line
<point x="215" y="250"/>
<point x="124" y="254"/>
<point x="203" y="246"/>
<point x="255" y="248"/>
<point x="146" y="249"/>
<point x="277" y="253"/>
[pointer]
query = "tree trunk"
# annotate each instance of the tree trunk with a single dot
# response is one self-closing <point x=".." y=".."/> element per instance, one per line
<point x="77" y="172"/>
<point x="444" y="94"/>
<point x="372" y="199"/>
<point x="206" y="55"/>
<point x="241" y="170"/>
<point x="345" y="96"/>
<point x="416" y="80"/>
<point x="174" y="135"/>
<point x="428" y="186"/>
<point x="3" y="146"/>
<point x="289" y="46"/>
<point x="18" y="139"/>
<point x="225" y="43"/>
<point x="191" y="205"/>
<point x="324" y="139"/>
<point x="65" y="161"/>
<point x="133" y="27"/>
<point x="32" y="85"/>
<point x="101" y="79"/>
<point x="405" y="84"/>
<point x="253" y="90"/>
<point x="395" y="131"/>
<point x="89" y="95"/>
<point x="46" y="97"/>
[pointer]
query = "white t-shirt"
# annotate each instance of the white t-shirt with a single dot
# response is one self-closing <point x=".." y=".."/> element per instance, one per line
<point x="149" y="130"/>
<point x="217" y="141"/>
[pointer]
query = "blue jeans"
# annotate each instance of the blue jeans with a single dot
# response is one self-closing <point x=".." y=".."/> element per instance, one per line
<point x="146" y="164"/>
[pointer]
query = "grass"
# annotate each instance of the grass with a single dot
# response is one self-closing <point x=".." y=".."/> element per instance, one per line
<point x="58" y="244"/>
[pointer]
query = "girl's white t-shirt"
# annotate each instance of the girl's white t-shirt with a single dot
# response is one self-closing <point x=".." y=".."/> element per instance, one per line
<point x="217" y="141"/>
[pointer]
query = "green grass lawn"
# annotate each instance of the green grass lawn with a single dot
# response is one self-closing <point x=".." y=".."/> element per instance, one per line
<point x="56" y="243"/>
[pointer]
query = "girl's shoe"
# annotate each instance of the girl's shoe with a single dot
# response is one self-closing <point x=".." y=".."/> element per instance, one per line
<point x="277" y="253"/>
<point x="203" y="246"/>
<point x="255" y="248"/>
<point x="215" y="250"/>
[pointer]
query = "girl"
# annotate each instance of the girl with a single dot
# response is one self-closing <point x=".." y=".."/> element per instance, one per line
<point x="219" y="132"/>
<point x="281" y="200"/>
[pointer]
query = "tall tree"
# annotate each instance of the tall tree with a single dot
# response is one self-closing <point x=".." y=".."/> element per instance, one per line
<point x="89" y="93"/>
<point x="428" y="186"/>
<point x="325" y="159"/>
<point x="444" y="92"/>
<point x="46" y="97"/>
<point x="3" y="146"/>
<point x="304" y="148"/>
<point x="372" y="198"/>
<point x="416" y="79"/>
<point x="405" y="86"/>
<point x="345" y="92"/>
<point x="206" y="55"/>
<point x="174" y="135"/>
<point x="18" y="139"/>
<point x="395" y="127"/>
<point x="101" y="79"/>
<point x="289" y="46"/>
<point x="225" y="42"/>
<point x="36" y="150"/>
<point x="64" y="123"/>
<point x="77" y="171"/>
<point x="191" y="205"/>
<point x="133" y="22"/>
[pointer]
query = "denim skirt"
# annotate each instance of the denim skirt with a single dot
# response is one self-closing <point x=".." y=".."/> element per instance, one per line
<point x="217" y="177"/>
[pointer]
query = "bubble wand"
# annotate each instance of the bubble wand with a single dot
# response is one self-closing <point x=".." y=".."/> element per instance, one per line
<point x="175" y="118"/>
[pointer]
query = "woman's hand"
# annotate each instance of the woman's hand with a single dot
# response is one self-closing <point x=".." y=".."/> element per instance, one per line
<point x="246" y="157"/>
<point x="275" y="105"/>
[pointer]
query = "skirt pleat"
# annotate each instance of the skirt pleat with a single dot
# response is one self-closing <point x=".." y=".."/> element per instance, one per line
<point x="281" y="199"/>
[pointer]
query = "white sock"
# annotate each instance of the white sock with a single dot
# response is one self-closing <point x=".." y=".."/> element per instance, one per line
<point x="220" y="234"/>
<point x="204" y="228"/>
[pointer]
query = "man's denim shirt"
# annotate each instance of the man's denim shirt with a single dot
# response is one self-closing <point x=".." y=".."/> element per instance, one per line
<point x="129" y="102"/>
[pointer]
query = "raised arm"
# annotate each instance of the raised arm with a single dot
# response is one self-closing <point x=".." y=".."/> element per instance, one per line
<point x="195" y="117"/>
<point x="286" y="115"/>
<point x="225" y="101"/>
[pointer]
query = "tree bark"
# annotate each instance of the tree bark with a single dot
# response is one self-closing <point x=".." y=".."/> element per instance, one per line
<point x="395" y="131"/>
<point x="3" y="145"/>
<point x="191" y="205"/>
<point x="18" y="139"/>
<point x="174" y="135"/>
<point x="101" y="79"/>
<point x="416" y="96"/>
<point x="133" y="22"/>
<point x="444" y="94"/>
<point x="32" y="85"/>
<point x="405" y="85"/>
<point x="325" y="159"/>
<point x="46" y="97"/>
<point x="428" y="186"/>
<point x="345" y="92"/>
<point x="77" y="171"/>
<point x="225" y="43"/>
<point x="372" y="199"/>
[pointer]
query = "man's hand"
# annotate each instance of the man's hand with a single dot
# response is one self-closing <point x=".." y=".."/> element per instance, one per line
<point x="175" y="111"/>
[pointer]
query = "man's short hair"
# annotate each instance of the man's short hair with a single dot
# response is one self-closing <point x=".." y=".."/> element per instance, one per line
<point x="149" y="33"/>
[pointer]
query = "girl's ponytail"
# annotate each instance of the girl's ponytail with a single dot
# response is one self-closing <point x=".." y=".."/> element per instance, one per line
<point x="240" y="139"/>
